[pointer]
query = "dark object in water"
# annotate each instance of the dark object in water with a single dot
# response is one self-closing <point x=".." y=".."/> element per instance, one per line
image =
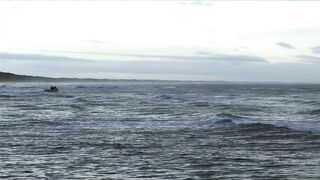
<point x="52" y="89"/>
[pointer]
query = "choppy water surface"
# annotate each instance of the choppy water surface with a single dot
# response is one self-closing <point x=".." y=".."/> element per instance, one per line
<point x="160" y="130"/>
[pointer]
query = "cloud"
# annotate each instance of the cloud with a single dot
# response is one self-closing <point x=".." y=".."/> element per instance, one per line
<point x="309" y="58"/>
<point x="38" y="57"/>
<point x="203" y="53"/>
<point x="195" y="3"/>
<point x="58" y="66"/>
<point x="203" y="57"/>
<point x="204" y="70"/>
<point x="201" y="64"/>
<point x="200" y="56"/>
<point x="192" y="70"/>
<point x="285" y="45"/>
<point x="316" y="49"/>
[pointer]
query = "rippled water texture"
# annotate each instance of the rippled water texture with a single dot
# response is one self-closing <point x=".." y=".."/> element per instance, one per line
<point x="160" y="130"/>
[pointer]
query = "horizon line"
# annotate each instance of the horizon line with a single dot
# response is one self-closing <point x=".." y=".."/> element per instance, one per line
<point x="166" y="80"/>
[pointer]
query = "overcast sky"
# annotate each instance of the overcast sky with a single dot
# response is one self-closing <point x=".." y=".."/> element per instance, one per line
<point x="175" y="40"/>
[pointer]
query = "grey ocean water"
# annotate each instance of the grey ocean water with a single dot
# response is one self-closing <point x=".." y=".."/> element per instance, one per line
<point x="160" y="130"/>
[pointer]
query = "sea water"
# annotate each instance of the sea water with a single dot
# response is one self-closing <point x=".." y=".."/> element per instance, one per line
<point x="160" y="130"/>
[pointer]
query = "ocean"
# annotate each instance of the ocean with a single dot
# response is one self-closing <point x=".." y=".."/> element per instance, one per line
<point x="160" y="130"/>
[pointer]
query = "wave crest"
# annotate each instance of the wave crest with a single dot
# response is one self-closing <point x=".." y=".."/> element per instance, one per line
<point x="230" y="119"/>
<point x="310" y="112"/>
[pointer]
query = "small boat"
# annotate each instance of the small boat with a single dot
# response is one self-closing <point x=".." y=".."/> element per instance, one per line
<point x="52" y="89"/>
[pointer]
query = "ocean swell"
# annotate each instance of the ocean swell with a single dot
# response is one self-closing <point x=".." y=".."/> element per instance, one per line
<point x="230" y="119"/>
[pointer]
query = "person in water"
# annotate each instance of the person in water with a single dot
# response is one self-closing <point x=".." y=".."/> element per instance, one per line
<point x="52" y="89"/>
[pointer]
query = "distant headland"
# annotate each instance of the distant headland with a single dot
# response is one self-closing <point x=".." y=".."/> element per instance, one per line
<point x="10" y="77"/>
<point x="6" y="77"/>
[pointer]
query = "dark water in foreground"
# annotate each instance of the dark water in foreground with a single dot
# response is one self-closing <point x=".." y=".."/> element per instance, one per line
<point x="160" y="131"/>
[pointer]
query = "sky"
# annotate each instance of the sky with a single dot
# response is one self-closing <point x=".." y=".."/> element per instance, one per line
<point x="263" y="41"/>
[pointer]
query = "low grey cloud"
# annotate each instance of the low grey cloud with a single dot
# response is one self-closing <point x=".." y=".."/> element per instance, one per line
<point x="202" y="53"/>
<point x="200" y="56"/>
<point x="285" y="45"/>
<point x="58" y="65"/>
<point x="309" y="58"/>
<point x="316" y="49"/>
<point x="206" y="70"/>
<point x="38" y="57"/>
